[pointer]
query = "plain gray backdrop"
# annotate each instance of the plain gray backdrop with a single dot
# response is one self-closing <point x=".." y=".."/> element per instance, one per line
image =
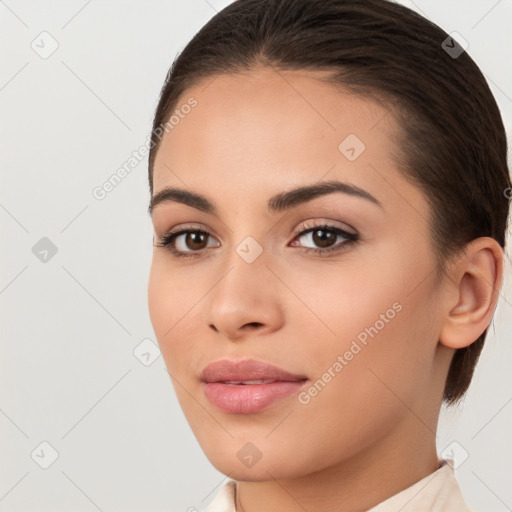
<point x="88" y="416"/>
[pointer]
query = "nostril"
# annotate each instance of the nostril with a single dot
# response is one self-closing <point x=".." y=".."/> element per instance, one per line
<point x="253" y="324"/>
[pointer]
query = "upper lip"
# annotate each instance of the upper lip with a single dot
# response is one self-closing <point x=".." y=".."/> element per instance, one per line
<point x="225" y="370"/>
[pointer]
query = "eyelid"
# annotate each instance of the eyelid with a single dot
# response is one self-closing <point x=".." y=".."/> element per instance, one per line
<point x="322" y="222"/>
<point x="186" y="227"/>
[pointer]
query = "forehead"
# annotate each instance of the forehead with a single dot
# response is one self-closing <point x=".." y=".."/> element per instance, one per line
<point x="267" y="130"/>
<point x="267" y="105"/>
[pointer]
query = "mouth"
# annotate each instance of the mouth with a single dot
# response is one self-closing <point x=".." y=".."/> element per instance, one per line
<point x="245" y="382"/>
<point x="245" y="398"/>
<point x="247" y="386"/>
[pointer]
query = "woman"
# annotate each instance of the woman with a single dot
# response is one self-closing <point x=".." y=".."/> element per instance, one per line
<point x="329" y="194"/>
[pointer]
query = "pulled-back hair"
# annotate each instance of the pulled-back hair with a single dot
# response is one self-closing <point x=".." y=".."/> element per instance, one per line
<point x="452" y="140"/>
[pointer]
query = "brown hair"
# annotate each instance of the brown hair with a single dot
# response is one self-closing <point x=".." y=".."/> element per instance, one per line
<point x="452" y="143"/>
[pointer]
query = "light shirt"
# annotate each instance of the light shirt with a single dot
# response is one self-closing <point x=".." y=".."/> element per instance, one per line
<point x="437" y="492"/>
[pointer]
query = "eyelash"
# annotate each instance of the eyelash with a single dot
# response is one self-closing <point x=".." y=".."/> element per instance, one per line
<point x="351" y="238"/>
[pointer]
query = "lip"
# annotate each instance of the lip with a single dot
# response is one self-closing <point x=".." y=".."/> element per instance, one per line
<point x="245" y="369"/>
<point x="242" y="398"/>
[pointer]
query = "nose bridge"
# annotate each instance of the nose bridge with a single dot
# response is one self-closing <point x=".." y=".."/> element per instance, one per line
<point x="245" y="268"/>
<point x="248" y="239"/>
<point x="250" y="249"/>
<point x="243" y="295"/>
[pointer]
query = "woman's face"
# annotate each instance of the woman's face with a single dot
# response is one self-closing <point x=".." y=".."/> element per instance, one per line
<point x="356" y="323"/>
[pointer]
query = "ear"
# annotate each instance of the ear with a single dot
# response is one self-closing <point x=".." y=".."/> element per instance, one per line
<point x="475" y="282"/>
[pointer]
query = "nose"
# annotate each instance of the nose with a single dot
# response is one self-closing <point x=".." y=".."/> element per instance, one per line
<point x="246" y="301"/>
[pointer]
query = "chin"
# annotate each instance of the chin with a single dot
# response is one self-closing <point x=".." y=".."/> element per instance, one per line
<point x="261" y="471"/>
<point x="242" y="460"/>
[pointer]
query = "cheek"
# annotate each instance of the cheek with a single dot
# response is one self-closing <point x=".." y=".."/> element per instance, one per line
<point x="173" y="302"/>
<point x="361" y="379"/>
<point x="372" y="313"/>
<point x="160" y="298"/>
<point x="340" y="299"/>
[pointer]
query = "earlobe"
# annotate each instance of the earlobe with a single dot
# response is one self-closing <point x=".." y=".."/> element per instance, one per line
<point x="477" y="277"/>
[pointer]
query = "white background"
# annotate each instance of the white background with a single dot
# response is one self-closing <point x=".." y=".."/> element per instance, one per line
<point x="69" y="326"/>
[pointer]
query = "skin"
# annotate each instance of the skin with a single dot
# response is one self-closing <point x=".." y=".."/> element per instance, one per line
<point x="371" y="431"/>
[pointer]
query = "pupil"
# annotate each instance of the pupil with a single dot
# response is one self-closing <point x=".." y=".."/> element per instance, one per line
<point x="195" y="237"/>
<point x="323" y="239"/>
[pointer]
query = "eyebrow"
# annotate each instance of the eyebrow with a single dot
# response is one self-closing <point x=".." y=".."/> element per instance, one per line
<point x="277" y="203"/>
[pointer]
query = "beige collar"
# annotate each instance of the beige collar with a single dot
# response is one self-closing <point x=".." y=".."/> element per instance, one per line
<point x="437" y="492"/>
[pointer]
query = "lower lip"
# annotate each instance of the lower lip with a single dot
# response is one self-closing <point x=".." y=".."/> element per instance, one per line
<point x="248" y="398"/>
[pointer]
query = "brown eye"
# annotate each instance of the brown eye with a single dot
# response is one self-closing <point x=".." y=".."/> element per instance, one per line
<point x="323" y="239"/>
<point x="195" y="239"/>
<point x="186" y="242"/>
